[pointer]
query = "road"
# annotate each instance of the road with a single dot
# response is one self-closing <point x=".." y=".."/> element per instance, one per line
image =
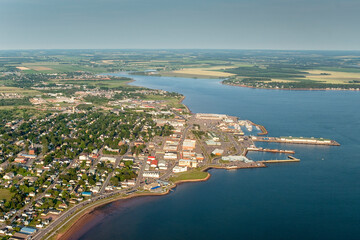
<point x="39" y="196"/>
<point x="67" y="216"/>
<point x="106" y="182"/>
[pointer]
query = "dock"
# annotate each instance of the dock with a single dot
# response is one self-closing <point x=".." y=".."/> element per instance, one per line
<point x="280" y="161"/>
<point x="294" y="140"/>
<point x="291" y="159"/>
<point x="261" y="127"/>
<point x="270" y="150"/>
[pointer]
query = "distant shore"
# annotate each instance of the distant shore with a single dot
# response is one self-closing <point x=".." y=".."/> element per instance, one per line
<point x="293" y="89"/>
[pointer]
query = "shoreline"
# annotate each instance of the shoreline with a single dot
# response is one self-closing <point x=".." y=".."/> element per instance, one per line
<point x="85" y="218"/>
<point x="181" y="102"/>
<point x="293" y="89"/>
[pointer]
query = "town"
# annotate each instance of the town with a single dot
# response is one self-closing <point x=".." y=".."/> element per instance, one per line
<point x="79" y="145"/>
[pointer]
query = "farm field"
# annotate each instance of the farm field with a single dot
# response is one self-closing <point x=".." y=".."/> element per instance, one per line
<point x="334" y="77"/>
<point x="55" y="67"/>
<point x="97" y="82"/>
<point x="203" y="72"/>
<point x="25" y="92"/>
<point x="211" y="72"/>
<point x="327" y="77"/>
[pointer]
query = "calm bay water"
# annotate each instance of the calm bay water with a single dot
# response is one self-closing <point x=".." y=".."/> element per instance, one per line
<point x="318" y="198"/>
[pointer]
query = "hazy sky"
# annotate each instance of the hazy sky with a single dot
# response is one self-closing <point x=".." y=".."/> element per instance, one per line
<point x="238" y="24"/>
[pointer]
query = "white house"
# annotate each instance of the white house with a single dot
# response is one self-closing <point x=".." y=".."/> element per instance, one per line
<point x="151" y="174"/>
<point x="9" y="176"/>
<point x="178" y="169"/>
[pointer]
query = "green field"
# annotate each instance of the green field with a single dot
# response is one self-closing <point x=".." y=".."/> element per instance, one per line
<point x="170" y="101"/>
<point x="5" y="194"/>
<point x="194" y="174"/>
<point x="99" y="83"/>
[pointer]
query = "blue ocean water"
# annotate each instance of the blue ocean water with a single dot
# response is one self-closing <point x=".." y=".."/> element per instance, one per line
<point x="318" y="198"/>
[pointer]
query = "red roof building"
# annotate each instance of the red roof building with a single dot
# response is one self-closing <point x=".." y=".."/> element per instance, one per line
<point x="154" y="163"/>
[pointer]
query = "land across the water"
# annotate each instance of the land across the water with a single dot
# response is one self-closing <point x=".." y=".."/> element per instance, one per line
<point x="325" y="88"/>
<point x="277" y="84"/>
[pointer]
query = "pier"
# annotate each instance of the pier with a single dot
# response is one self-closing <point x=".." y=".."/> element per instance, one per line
<point x="291" y="159"/>
<point x="255" y="149"/>
<point x="294" y="140"/>
<point x="280" y="161"/>
<point x="262" y="128"/>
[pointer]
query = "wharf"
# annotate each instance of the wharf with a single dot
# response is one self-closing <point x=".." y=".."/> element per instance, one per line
<point x="262" y="128"/>
<point x="280" y="161"/>
<point x="291" y="159"/>
<point x="270" y="150"/>
<point x="236" y="165"/>
<point x="308" y="141"/>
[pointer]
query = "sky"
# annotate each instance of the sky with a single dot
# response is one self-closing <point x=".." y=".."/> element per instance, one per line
<point x="180" y="24"/>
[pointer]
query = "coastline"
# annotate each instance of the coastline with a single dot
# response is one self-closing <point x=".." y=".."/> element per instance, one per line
<point x="293" y="89"/>
<point x="83" y="219"/>
<point x="181" y="102"/>
<point x="86" y="217"/>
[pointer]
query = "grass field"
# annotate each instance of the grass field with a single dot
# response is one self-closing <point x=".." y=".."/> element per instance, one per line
<point x="193" y="174"/>
<point x="170" y="101"/>
<point x="5" y="194"/>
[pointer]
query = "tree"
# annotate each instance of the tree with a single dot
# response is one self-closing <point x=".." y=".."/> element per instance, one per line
<point x="45" y="146"/>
